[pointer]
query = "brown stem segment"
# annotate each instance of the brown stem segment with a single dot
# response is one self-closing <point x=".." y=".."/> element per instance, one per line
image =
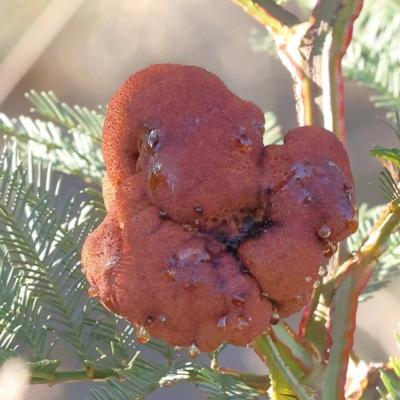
<point x="312" y="52"/>
<point x="350" y="281"/>
<point x="270" y="14"/>
<point x="260" y="383"/>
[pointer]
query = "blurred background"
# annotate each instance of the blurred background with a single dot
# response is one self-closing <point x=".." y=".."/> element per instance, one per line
<point x="83" y="50"/>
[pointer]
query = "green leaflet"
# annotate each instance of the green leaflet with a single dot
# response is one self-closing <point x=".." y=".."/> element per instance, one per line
<point x="390" y="376"/>
<point x="387" y="154"/>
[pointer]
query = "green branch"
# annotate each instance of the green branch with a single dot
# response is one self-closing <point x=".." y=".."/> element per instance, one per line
<point x="277" y="367"/>
<point x="260" y="383"/>
<point x="341" y="38"/>
<point x="270" y="14"/>
<point x="351" y="280"/>
<point x="88" y="374"/>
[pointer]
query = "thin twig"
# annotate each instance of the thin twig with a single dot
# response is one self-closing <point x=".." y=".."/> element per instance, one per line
<point x="274" y="356"/>
<point x="341" y="37"/>
<point x="270" y="14"/>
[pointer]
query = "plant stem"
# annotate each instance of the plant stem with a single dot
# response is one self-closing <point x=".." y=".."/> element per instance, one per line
<point x="275" y="361"/>
<point x="341" y="38"/>
<point x="260" y="383"/>
<point x="89" y="374"/>
<point x="312" y="52"/>
<point x="270" y="14"/>
<point x="350" y="281"/>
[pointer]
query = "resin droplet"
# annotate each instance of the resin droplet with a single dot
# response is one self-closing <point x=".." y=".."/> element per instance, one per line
<point x="187" y="227"/>
<point x="308" y="279"/>
<point x="153" y="141"/>
<point x="324" y="232"/>
<point x="267" y="331"/>
<point x="316" y="284"/>
<point x="155" y="179"/>
<point x="323" y="270"/>
<point x="92" y="292"/>
<point x="193" y="351"/>
<point x="222" y="322"/>
<point x="143" y="334"/>
<point x="242" y="322"/>
<point x="178" y="348"/>
<point x="244" y="143"/>
<point x="329" y="249"/>
<point x="198" y="209"/>
<point x="161" y="318"/>
<point x="238" y="300"/>
<point x="170" y="274"/>
<point x="150" y="320"/>
<point x="274" y="319"/>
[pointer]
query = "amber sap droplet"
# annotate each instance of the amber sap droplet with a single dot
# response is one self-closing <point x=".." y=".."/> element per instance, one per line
<point x="267" y="331"/>
<point x="153" y="141"/>
<point x="324" y="232"/>
<point x="352" y="225"/>
<point x="323" y="270"/>
<point x="143" y="334"/>
<point x="187" y="227"/>
<point x="238" y="300"/>
<point x="308" y="279"/>
<point x="193" y="351"/>
<point x="155" y="179"/>
<point x="329" y="249"/>
<point x="244" y="143"/>
<point x="274" y="318"/>
<point x="260" y="127"/>
<point x="92" y="292"/>
<point x="170" y="274"/>
<point x="316" y="284"/>
<point x="242" y="322"/>
<point x="222" y="322"/>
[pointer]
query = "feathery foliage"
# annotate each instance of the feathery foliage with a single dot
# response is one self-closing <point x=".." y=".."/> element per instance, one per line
<point x="43" y="292"/>
<point x="391" y="377"/>
<point x="43" y="299"/>
<point x="373" y="56"/>
<point x="70" y="140"/>
<point x="389" y="263"/>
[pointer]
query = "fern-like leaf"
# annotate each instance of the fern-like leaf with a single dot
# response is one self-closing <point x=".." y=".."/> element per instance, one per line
<point x="373" y="57"/>
<point x="391" y="377"/>
<point x="76" y="119"/>
<point x="72" y="153"/>
<point x="389" y="263"/>
<point x="218" y="386"/>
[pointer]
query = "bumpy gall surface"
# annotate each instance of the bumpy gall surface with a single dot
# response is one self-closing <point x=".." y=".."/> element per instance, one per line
<point x="208" y="233"/>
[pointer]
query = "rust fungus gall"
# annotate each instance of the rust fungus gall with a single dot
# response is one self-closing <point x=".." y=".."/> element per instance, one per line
<point x="207" y="227"/>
